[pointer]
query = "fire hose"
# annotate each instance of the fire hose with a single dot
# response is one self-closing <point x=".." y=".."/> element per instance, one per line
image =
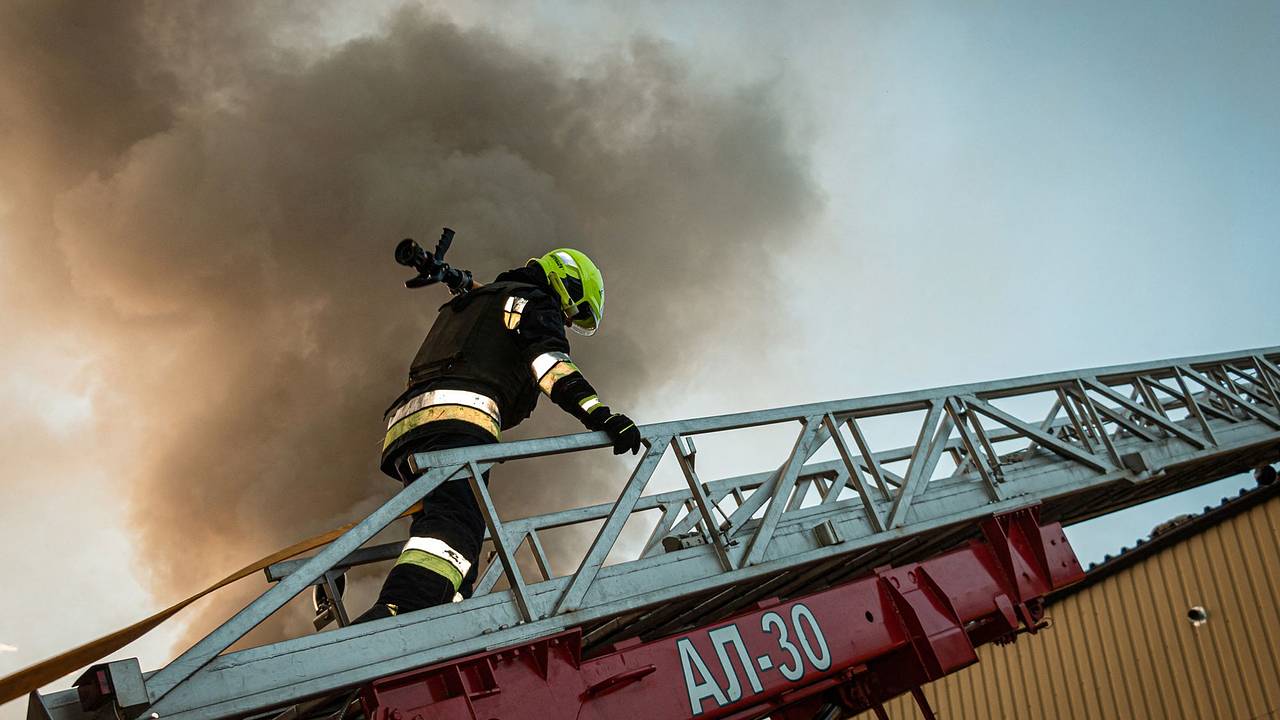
<point x="31" y="678"/>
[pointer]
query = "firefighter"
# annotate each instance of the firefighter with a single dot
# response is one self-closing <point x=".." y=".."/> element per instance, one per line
<point x="489" y="355"/>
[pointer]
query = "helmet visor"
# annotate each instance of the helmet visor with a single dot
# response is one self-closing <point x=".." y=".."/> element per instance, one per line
<point x="573" y="286"/>
<point x="584" y="321"/>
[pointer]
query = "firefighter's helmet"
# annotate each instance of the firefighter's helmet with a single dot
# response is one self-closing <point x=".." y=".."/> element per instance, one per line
<point x="580" y="287"/>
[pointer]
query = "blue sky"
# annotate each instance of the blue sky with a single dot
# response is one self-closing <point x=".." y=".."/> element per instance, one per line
<point x="1011" y="189"/>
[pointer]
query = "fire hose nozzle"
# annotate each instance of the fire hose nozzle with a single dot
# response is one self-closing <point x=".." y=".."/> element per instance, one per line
<point x="431" y="266"/>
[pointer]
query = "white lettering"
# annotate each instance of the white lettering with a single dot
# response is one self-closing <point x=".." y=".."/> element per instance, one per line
<point x="774" y="619"/>
<point x="701" y="689"/>
<point x="798" y="612"/>
<point x="720" y="638"/>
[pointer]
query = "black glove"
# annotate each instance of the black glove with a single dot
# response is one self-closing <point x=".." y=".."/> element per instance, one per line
<point x="622" y="431"/>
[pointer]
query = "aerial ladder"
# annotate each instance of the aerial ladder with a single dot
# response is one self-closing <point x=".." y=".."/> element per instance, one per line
<point x="814" y="588"/>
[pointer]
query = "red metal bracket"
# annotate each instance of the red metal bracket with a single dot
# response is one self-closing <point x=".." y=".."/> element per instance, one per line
<point x="1034" y="559"/>
<point x="936" y="631"/>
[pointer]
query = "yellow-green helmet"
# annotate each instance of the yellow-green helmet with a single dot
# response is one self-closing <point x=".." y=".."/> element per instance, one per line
<point x="580" y="287"/>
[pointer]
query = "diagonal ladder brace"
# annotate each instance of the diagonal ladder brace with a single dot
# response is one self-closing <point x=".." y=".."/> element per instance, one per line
<point x="923" y="461"/>
<point x="1158" y="420"/>
<point x="781" y="490"/>
<point x="608" y="535"/>
<point x="1227" y="397"/>
<point x="1045" y="439"/>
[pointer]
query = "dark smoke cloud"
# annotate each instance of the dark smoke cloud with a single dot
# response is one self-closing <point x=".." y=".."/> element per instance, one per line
<point x="212" y="211"/>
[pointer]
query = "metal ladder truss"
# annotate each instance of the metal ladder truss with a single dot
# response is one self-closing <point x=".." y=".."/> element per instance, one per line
<point x="1079" y="444"/>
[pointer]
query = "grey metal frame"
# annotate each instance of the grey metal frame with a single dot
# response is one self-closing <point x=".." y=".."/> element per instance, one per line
<point x="1109" y="440"/>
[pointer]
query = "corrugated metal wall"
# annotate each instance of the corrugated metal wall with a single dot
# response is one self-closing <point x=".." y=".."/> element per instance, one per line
<point x="1124" y="647"/>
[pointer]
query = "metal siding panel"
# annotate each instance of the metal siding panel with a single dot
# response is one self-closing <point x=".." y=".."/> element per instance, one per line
<point x="1064" y="614"/>
<point x="1153" y="674"/>
<point x="1047" y="677"/>
<point x="1058" y="673"/>
<point x="1024" y="660"/>
<point x="1261" y="618"/>
<point x="1017" y="690"/>
<point x="1008" y="690"/>
<point x="1267" y="541"/>
<point x="1041" y="669"/>
<point x="1197" y="657"/>
<point x="1019" y="695"/>
<point x="939" y="693"/>
<point x="1197" y="591"/>
<point x="988" y="686"/>
<point x="1233" y="685"/>
<point x="1261" y="661"/>
<point x="936" y="692"/>
<point x="998" y="691"/>
<point x="954" y="697"/>
<point x="974" y="691"/>
<point x="1136" y="661"/>
<point x="1081" y="701"/>
<point x="992" y="701"/>
<point x="1101" y="656"/>
<point x="1257" y="535"/>
<point x="1264" y="526"/>
<point x="946" y="696"/>
<point x="1112" y="643"/>
<point x="995" y="690"/>
<point x="1190" y="697"/>
<point x="1082" y="650"/>
<point x="976" y="685"/>
<point x="1230" y="633"/>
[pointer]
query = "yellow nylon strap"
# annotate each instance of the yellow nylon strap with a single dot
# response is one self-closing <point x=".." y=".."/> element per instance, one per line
<point x="31" y="678"/>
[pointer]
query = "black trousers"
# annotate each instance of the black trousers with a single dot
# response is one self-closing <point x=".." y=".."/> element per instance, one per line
<point x="450" y="514"/>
